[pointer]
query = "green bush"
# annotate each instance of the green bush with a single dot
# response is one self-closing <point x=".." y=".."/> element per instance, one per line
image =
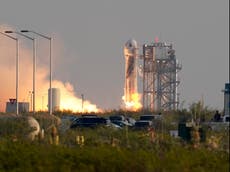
<point x="132" y="150"/>
<point x="39" y="157"/>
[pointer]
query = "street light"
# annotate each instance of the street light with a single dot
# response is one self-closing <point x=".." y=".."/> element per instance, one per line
<point x="34" y="63"/>
<point x="50" y="40"/>
<point x="17" y="68"/>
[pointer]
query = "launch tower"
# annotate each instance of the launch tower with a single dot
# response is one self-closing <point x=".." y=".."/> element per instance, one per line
<point x="149" y="75"/>
<point x="160" y="80"/>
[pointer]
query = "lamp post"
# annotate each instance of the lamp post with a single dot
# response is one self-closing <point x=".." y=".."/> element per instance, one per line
<point x="50" y="40"/>
<point x="17" y="68"/>
<point x="34" y="63"/>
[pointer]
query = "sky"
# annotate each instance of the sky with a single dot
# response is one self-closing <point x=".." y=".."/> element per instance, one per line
<point x="89" y="37"/>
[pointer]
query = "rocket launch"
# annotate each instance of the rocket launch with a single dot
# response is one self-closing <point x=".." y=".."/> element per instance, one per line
<point x="130" y="53"/>
<point x="131" y="97"/>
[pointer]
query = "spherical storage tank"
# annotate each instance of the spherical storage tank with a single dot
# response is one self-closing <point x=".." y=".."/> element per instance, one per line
<point x="56" y="94"/>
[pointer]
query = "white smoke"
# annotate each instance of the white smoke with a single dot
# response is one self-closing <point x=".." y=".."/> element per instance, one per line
<point x="69" y="101"/>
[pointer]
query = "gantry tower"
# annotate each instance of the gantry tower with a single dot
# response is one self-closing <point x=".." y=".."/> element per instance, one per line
<point x="160" y="80"/>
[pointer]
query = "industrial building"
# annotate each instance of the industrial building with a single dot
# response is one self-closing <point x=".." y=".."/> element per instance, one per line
<point x="56" y="95"/>
<point x="22" y="106"/>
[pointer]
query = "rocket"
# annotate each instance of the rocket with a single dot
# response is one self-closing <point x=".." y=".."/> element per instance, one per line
<point x="130" y="54"/>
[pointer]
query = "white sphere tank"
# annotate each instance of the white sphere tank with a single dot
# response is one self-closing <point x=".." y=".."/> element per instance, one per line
<point x="56" y="95"/>
<point x="34" y="125"/>
<point x="28" y="126"/>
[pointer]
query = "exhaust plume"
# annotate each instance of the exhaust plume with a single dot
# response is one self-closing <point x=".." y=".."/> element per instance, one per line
<point x="69" y="101"/>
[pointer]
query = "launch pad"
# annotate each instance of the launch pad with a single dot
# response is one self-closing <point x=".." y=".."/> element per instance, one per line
<point x="160" y="75"/>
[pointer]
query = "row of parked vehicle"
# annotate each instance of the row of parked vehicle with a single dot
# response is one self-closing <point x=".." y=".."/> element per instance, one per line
<point x="116" y="121"/>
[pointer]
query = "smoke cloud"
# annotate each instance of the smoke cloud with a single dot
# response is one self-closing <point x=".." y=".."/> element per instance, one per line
<point x="69" y="100"/>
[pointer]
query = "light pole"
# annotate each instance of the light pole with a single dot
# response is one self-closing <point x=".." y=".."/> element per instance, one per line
<point x="17" y="68"/>
<point x="34" y="63"/>
<point x="31" y="99"/>
<point x="50" y="40"/>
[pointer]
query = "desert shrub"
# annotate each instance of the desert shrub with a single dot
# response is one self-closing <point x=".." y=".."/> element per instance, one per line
<point x="39" y="157"/>
<point x="132" y="151"/>
<point x="14" y="128"/>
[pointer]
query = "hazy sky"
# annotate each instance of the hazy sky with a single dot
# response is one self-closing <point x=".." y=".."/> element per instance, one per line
<point x="91" y="35"/>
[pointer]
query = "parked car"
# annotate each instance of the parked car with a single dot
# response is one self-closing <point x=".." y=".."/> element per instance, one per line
<point x="143" y="124"/>
<point x="131" y="121"/>
<point x="66" y="121"/>
<point x="89" y="115"/>
<point x="117" y="118"/>
<point x="113" y="125"/>
<point x="149" y="117"/>
<point x="120" y="120"/>
<point x="90" y="121"/>
<point x="68" y="118"/>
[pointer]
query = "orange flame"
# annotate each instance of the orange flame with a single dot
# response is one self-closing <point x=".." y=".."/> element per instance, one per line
<point x="134" y="104"/>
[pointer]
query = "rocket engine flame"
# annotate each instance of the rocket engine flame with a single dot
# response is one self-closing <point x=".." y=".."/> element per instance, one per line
<point x="69" y="101"/>
<point x="135" y="104"/>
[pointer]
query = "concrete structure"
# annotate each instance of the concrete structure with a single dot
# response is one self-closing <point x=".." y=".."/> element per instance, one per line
<point x="11" y="106"/>
<point x="226" y="99"/>
<point x="131" y="55"/>
<point x="56" y="98"/>
<point x="160" y="80"/>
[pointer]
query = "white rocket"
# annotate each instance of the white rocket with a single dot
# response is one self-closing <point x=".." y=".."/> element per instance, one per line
<point x="131" y="54"/>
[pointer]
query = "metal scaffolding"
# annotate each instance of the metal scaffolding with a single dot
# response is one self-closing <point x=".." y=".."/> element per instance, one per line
<point x="160" y="79"/>
<point x="149" y="71"/>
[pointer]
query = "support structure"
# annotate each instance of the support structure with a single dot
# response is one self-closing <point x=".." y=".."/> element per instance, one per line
<point x="149" y="71"/>
<point x="160" y="79"/>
